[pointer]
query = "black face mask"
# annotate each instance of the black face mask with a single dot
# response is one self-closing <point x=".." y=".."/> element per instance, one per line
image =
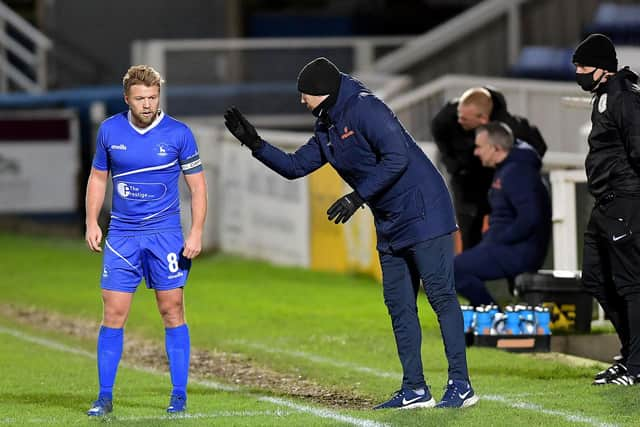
<point x="586" y="82"/>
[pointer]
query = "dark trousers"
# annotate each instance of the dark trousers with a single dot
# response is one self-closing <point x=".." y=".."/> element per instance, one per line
<point x="611" y="270"/>
<point x="431" y="261"/>
<point x="471" y="205"/>
<point x="470" y="223"/>
<point x="472" y="268"/>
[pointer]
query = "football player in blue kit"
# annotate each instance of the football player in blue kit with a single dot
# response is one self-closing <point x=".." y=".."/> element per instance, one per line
<point x="145" y="151"/>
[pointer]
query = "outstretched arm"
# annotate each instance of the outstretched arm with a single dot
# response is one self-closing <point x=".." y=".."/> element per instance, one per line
<point x="305" y="160"/>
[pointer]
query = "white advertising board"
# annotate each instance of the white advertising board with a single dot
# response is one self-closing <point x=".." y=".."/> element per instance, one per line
<point x="262" y="215"/>
<point x="39" y="161"/>
<point x="208" y="139"/>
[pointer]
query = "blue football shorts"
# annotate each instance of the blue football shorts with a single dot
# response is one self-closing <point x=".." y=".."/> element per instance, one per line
<point x="155" y="257"/>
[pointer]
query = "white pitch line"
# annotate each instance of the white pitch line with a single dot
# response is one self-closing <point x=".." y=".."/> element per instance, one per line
<point x="188" y="416"/>
<point x="319" y="412"/>
<point x="321" y="359"/>
<point x="46" y="343"/>
<point x="495" y="398"/>
<point x="322" y="413"/>
<point x="219" y="414"/>
<point x="537" y="408"/>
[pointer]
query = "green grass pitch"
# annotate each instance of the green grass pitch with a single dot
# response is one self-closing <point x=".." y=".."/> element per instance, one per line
<point x="328" y="330"/>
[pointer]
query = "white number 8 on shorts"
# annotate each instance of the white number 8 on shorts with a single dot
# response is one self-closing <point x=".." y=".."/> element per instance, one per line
<point x="172" y="259"/>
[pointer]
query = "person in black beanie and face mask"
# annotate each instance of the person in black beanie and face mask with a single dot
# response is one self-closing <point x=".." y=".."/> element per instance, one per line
<point x="595" y="60"/>
<point x="367" y="145"/>
<point x="611" y="257"/>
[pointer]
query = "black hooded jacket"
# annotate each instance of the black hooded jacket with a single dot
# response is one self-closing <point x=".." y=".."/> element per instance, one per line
<point x="613" y="161"/>
<point x="456" y="145"/>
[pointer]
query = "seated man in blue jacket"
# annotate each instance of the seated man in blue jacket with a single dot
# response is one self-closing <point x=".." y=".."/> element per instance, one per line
<point x="365" y="143"/>
<point x="520" y="219"/>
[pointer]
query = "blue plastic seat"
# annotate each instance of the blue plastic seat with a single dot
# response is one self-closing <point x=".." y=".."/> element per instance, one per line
<point x="621" y="22"/>
<point x="544" y="62"/>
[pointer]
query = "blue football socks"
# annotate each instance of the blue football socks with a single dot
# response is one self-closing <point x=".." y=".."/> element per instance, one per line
<point x="109" y="353"/>
<point x="178" y="346"/>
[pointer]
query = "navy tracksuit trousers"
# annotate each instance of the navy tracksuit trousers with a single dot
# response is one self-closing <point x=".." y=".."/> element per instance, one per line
<point x="432" y="262"/>
<point x="472" y="268"/>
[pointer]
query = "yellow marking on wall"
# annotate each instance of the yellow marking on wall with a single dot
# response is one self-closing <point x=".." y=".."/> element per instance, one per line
<point x="328" y="250"/>
<point x="346" y="247"/>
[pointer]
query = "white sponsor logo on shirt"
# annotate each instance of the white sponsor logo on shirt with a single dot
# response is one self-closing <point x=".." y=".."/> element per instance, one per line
<point x="144" y="191"/>
<point x="119" y="147"/>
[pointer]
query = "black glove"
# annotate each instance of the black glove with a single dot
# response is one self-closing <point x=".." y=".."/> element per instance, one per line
<point x="344" y="207"/>
<point x="242" y="129"/>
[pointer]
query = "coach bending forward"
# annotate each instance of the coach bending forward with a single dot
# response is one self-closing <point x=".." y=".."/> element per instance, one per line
<point x="366" y="144"/>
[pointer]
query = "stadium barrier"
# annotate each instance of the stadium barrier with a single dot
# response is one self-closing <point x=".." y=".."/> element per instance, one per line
<point x="541" y="102"/>
<point x="16" y="33"/>
<point x="239" y="63"/>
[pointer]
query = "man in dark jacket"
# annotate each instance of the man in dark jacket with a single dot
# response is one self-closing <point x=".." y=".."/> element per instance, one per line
<point x="365" y="143"/>
<point x="453" y="130"/>
<point x="520" y="220"/>
<point x="611" y="257"/>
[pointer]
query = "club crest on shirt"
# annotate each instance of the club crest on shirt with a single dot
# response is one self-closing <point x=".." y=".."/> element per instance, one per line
<point x="497" y="184"/>
<point x="347" y="133"/>
<point x="602" y="103"/>
<point x="162" y="150"/>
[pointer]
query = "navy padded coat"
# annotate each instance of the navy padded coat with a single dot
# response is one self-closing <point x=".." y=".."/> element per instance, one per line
<point x="520" y="219"/>
<point x="370" y="149"/>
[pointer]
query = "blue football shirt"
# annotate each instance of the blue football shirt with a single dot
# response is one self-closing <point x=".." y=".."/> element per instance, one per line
<point x="145" y="166"/>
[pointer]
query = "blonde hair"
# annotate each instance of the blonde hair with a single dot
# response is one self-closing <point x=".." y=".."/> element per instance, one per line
<point x="480" y="98"/>
<point x="141" y="74"/>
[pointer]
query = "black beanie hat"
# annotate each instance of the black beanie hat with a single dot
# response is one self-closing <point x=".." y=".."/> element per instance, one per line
<point x="319" y="77"/>
<point x="598" y="51"/>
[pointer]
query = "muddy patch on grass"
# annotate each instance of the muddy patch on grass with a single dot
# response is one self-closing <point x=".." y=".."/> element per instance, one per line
<point x="230" y="368"/>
